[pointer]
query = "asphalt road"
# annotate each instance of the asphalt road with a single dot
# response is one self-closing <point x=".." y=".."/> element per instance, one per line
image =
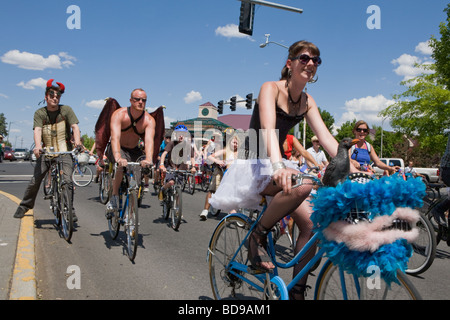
<point x="170" y="265"/>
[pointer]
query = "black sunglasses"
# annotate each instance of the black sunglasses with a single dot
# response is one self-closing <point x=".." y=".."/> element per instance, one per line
<point x="304" y="58"/>
<point x="362" y="130"/>
<point x="139" y="99"/>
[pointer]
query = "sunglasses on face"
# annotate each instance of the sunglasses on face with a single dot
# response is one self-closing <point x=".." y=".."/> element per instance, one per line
<point x="139" y="99"/>
<point x="362" y="130"/>
<point x="53" y="94"/>
<point x="304" y="59"/>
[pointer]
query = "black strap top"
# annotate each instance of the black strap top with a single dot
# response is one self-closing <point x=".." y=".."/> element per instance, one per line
<point x="134" y="122"/>
<point x="284" y="123"/>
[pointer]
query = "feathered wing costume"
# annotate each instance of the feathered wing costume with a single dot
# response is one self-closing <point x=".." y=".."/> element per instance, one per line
<point x="103" y="130"/>
<point x="364" y="224"/>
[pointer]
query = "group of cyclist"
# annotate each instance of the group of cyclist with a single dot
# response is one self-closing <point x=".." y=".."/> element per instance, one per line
<point x="280" y="106"/>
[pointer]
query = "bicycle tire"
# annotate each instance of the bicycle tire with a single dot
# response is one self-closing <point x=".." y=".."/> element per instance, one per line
<point x="191" y="183"/>
<point x="82" y="175"/>
<point x="114" y="223"/>
<point x="54" y="205"/>
<point x="424" y="248"/>
<point x="131" y="225"/>
<point x="176" y="208"/>
<point x="65" y="202"/>
<point x="206" y="181"/>
<point x="166" y="204"/>
<point x="224" y="244"/>
<point x="330" y="279"/>
<point x="48" y="189"/>
<point x="104" y="187"/>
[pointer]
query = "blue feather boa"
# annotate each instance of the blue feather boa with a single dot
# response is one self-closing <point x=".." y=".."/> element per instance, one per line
<point x="378" y="197"/>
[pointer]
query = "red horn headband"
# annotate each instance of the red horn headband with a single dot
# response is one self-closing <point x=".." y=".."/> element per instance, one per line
<point x="61" y="86"/>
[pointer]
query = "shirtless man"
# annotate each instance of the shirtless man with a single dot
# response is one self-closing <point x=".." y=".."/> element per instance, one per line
<point x="125" y="134"/>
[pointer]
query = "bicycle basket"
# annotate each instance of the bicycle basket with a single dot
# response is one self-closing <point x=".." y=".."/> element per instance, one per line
<point x="369" y="223"/>
<point x="83" y="158"/>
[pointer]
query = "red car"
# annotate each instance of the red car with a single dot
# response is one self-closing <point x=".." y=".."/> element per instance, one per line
<point x="8" y="154"/>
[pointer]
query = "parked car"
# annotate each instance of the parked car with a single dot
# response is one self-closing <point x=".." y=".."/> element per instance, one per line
<point x="8" y="154"/>
<point x="22" y="154"/>
<point x="431" y="174"/>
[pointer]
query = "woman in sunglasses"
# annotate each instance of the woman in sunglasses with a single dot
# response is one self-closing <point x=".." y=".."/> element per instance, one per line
<point x="362" y="153"/>
<point x="280" y="106"/>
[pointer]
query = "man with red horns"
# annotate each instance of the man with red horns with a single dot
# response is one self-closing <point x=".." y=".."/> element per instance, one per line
<point x="53" y="126"/>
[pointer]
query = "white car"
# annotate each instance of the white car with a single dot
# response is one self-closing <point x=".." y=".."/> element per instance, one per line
<point x="22" y="154"/>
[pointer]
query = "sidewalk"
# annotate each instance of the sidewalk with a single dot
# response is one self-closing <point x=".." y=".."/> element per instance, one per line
<point x="17" y="262"/>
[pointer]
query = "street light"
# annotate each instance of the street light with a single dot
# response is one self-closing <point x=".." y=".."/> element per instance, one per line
<point x="263" y="45"/>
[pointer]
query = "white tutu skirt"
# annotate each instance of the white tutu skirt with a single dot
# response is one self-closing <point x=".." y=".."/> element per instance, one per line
<point x="242" y="184"/>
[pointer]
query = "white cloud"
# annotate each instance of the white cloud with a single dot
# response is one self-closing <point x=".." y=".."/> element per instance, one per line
<point x="424" y="48"/>
<point x="231" y="31"/>
<point x="192" y="97"/>
<point x="407" y="66"/>
<point x="366" y="109"/>
<point x="4" y="96"/>
<point x="33" y="83"/>
<point x="96" y="104"/>
<point x="32" y="61"/>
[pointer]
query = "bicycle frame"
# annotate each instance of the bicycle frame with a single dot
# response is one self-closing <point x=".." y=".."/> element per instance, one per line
<point x="129" y="177"/>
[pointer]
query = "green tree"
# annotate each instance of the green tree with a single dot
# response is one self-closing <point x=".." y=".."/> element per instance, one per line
<point x="328" y="119"/>
<point x="3" y="129"/>
<point x="441" y="51"/>
<point x="422" y="110"/>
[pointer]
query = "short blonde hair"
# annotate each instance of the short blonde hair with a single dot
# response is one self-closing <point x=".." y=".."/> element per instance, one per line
<point x="314" y="139"/>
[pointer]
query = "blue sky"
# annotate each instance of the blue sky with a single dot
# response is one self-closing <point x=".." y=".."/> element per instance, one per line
<point x="190" y="53"/>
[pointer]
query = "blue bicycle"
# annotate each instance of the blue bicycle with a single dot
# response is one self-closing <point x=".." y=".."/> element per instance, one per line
<point x="127" y="213"/>
<point x="233" y="277"/>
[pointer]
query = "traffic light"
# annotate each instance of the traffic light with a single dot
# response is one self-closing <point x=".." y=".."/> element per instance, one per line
<point x="249" y="101"/>
<point x="220" y="107"/>
<point x="246" y="18"/>
<point x="233" y="103"/>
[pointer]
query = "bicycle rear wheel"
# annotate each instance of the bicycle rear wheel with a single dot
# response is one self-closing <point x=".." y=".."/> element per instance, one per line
<point x="65" y="206"/>
<point x="227" y="283"/>
<point x="82" y="175"/>
<point x="131" y="225"/>
<point x="206" y="180"/>
<point x="335" y="284"/>
<point x="176" y="209"/>
<point x="424" y="248"/>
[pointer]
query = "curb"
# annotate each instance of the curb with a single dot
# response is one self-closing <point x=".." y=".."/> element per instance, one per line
<point x="23" y="284"/>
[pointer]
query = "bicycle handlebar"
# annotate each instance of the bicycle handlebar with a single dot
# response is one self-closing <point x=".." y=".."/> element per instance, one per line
<point x="58" y="153"/>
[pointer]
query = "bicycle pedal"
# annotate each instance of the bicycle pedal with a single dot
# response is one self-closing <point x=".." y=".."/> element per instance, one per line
<point x="253" y="270"/>
<point x="48" y="197"/>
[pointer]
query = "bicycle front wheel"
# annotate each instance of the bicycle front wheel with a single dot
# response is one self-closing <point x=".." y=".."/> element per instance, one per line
<point x="176" y="209"/>
<point x="190" y="183"/>
<point x="105" y="187"/>
<point x="65" y="203"/>
<point x="131" y="225"/>
<point x="424" y="248"/>
<point x="335" y="284"/>
<point x="228" y="283"/>
<point x="82" y="175"/>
